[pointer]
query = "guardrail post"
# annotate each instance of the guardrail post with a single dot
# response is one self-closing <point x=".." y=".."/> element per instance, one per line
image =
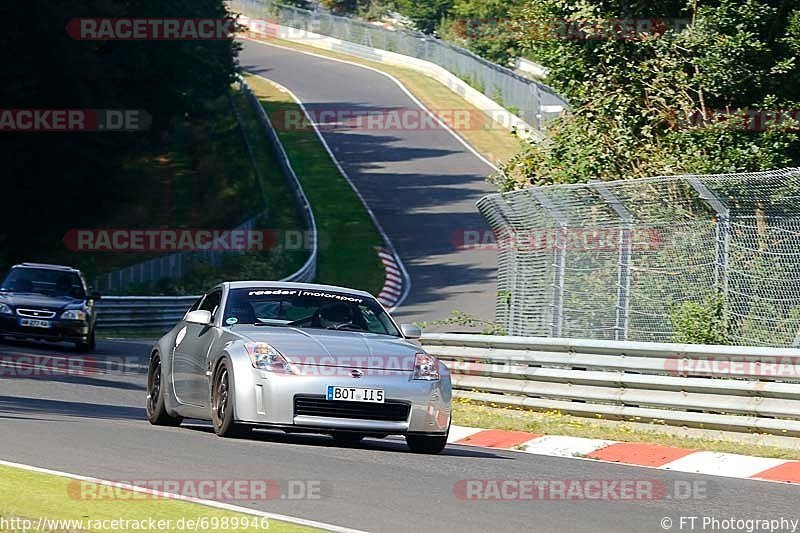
<point x="624" y="275"/>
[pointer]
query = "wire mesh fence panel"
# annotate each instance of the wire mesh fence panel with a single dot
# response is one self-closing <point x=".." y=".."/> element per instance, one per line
<point x="615" y="260"/>
<point x="521" y="95"/>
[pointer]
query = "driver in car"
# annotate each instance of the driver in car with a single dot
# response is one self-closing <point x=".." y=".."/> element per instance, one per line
<point x="337" y="315"/>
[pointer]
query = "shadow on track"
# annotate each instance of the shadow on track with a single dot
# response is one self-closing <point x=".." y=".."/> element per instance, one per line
<point x="390" y="445"/>
<point x="12" y="405"/>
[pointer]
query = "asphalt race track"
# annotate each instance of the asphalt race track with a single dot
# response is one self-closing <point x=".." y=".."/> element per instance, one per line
<point x="421" y="184"/>
<point x="95" y="425"/>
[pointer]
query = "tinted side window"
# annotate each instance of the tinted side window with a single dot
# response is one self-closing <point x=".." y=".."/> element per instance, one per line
<point x="211" y="303"/>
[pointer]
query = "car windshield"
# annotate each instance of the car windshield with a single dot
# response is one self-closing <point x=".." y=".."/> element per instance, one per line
<point x="44" y="281"/>
<point x="306" y="308"/>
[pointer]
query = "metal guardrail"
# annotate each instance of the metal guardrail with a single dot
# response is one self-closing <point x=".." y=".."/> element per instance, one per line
<point x="715" y="387"/>
<point x="172" y="266"/>
<point x="142" y="312"/>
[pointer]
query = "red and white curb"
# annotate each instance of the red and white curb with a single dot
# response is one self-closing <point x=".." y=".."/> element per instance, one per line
<point x="632" y="453"/>
<point x="393" y="286"/>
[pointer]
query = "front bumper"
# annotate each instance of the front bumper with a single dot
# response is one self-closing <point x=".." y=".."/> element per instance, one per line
<point x="60" y="330"/>
<point x="270" y="399"/>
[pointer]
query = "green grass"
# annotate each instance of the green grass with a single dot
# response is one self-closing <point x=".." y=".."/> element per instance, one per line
<point x="33" y="495"/>
<point x="471" y="414"/>
<point x="492" y="141"/>
<point x="348" y="237"/>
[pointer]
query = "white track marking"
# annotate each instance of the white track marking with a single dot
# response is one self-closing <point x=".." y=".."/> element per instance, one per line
<point x="207" y="503"/>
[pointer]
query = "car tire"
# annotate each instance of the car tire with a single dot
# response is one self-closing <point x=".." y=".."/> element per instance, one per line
<point x="156" y="409"/>
<point x="222" y="403"/>
<point x="431" y="444"/>
<point x="347" y="439"/>
<point x="89" y="345"/>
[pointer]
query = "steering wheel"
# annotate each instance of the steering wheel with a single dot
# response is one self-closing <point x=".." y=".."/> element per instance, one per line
<point x="301" y="321"/>
<point x="352" y="325"/>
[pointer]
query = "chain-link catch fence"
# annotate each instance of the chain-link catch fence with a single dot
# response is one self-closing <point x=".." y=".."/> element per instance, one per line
<point x="612" y="260"/>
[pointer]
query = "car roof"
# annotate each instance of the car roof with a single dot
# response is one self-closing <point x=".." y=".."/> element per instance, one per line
<point x="46" y="266"/>
<point x="288" y="285"/>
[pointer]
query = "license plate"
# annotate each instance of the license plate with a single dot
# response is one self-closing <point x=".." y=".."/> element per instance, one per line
<point x="355" y="394"/>
<point x="32" y="323"/>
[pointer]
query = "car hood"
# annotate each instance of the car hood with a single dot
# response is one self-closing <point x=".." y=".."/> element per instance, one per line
<point x="27" y="300"/>
<point x="335" y="348"/>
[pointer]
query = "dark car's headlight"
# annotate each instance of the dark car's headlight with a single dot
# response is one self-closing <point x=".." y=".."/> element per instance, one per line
<point x="426" y="367"/>
<point x="74" y="314"/>
<point x="5" y="310"/>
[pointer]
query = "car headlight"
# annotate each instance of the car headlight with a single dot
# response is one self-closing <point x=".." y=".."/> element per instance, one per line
<point x="74" y="314"/>
<point x="265" y="357"/>
<point x="426" y="367"/>
<point x="5" y="310"/>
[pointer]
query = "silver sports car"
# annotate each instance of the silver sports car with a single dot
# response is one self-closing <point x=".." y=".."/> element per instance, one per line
<point x="300" y="358"/>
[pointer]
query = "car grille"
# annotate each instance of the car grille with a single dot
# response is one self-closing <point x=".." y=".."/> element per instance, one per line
<point x="390" y="411"/>
<point x="36" y="313"/>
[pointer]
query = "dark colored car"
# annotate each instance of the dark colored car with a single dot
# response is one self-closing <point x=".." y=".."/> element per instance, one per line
<point x="48" y="302"/>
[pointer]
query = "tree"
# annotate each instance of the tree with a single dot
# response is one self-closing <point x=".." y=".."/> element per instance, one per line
<point x="483" y="27"/>
<point x="425" y="15"/>
<point x="636" y="100"/>
<point x="50" y="178"/>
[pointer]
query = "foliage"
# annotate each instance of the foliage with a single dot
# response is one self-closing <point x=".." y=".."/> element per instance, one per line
<point x="704" y="322"/>
<point x="632" y="98"/>
<point x="343" y="7"/>
<point x="67" y="178"/>
<point x="460" y="318"/>
<point x="426" y="15"/>
<point x="482" y="27"/>
<point x="202" y="275"/>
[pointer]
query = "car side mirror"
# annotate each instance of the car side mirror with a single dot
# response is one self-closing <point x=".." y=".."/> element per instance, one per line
<point x="199" y="317"/>
<point x="410" y="331"/>
<point x="96" y="296"/>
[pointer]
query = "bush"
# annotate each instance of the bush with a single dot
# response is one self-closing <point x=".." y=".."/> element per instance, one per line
<point x="704" y="322"/>
<point x="636" y="102"/>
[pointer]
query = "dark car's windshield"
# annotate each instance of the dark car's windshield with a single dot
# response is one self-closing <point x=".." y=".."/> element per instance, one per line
<point x="307" y="308"/>
<point x="44" y="281"/>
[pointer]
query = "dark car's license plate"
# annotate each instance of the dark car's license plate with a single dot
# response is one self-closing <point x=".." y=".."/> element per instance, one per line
<point x="33" y="323"/>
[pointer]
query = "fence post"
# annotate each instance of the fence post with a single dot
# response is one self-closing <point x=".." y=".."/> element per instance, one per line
<point x="559" y="261"/>
<point x="723" y="237"/>
<point x="624" y="275"/>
